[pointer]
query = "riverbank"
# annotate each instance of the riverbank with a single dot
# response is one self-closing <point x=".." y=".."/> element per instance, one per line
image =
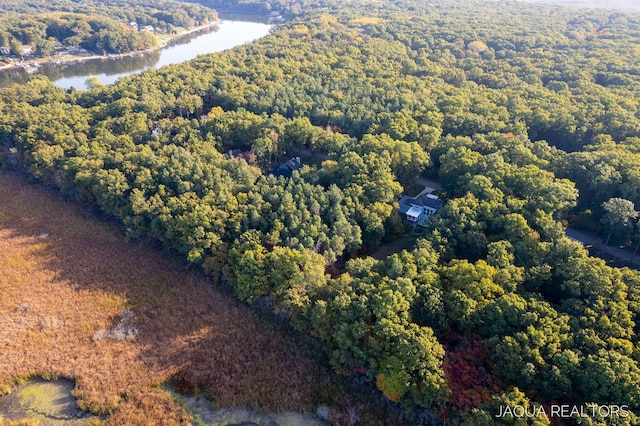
<point x="67" y="59"/>
<point x="229" y="34"/>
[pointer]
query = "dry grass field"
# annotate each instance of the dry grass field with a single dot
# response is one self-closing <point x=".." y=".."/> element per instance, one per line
<point x="65" y="276"/>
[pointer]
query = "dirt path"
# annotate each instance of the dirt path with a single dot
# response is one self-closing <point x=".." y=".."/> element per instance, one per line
<point x="395" y="246"/>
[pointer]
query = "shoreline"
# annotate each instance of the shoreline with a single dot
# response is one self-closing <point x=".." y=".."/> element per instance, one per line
<point x="30" y="64"/>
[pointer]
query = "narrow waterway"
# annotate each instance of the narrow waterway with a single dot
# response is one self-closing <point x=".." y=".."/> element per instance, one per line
<point x="49" y="403"/>
<point x="228" y="34"/>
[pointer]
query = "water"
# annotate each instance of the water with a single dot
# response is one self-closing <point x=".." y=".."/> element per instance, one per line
<point x="48" y="402"/>
<point x="51" y="403"/>
<point x="230" y="33"/>
<point x="207" y="415"/>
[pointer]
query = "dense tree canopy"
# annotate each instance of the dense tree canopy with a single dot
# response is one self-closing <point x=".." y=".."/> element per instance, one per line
<point x="527" y="115"/>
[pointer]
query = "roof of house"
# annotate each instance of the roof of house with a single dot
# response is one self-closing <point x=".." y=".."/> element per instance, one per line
<point x="414" y="212"/>
<point x="286" y="169"/>
<point x="235" y="152"/>
<point x="424" y="200"/>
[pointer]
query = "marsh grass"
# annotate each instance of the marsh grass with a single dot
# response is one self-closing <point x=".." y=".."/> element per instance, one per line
<point x="63" y="276"/>
<point x="25" y="422"/>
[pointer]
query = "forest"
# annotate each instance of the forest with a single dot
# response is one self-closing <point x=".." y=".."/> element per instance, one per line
<point x="527" y="115"/>
<point x="99" y="26"/>
<point x="628" y="5"/>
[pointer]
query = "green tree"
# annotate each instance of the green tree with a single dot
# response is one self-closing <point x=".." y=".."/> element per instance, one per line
<point x="295" y="275"/>
<point x="248" y="261"/>
<point x="502" y="411"/>
<point x="618" y="217"/>
<point x="608" y="377"/>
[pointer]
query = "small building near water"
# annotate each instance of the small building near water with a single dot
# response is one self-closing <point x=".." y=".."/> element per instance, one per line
<point x="421" y="208"/>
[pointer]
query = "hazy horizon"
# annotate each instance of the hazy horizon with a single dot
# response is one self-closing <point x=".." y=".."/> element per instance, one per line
<point x="626" y="5"/>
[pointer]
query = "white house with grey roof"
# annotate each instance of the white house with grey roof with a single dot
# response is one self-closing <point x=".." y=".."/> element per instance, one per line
<point x="421" y="208"/>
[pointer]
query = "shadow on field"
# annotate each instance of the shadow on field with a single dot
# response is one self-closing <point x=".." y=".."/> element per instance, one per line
<point x="122" y="318"/>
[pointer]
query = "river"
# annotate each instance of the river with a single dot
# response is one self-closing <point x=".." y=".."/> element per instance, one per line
<point x="230" y="33"/>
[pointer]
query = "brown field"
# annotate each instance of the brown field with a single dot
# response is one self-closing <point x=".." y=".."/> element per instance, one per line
<point x="57" y="290"/>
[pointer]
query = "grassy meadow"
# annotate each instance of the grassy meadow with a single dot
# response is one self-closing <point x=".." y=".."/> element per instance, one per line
<point x="64" y="275"/>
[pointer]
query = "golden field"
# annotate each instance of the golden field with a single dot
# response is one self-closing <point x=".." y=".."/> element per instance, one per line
<point x="65" y="275"/>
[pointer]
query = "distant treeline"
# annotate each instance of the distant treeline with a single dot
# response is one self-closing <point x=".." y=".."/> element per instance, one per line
<point x="627" y="5"/>
<point x="99" y="26"/>
<point x="527" y="114"/>
<point x="251" y="6"/>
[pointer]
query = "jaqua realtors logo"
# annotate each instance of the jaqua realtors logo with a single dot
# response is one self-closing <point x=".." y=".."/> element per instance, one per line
<point x="563" y="411"/>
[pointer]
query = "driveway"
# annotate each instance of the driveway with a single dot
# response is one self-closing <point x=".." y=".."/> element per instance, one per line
<point x="430" y="185"/>
<point x="596" y="247"/>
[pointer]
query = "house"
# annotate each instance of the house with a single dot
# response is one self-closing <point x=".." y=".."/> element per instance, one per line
<point x="4" y="50"/>
<point x="419" y="209"/>
<point x="275" y="17"/>
<point x="71" y="50"/>
<point x="276" y="20"/>
<point x="233" y="153"/>
<point x="27" y="50"/>
<point x="287" y="169"/>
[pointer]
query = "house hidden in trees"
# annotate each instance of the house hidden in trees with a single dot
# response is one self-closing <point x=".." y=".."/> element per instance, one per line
<point x="286" y="169"/>
<point x="421" y="208"/>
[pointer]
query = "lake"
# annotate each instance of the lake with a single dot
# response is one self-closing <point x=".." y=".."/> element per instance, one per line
<point x="230" y="33"/>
